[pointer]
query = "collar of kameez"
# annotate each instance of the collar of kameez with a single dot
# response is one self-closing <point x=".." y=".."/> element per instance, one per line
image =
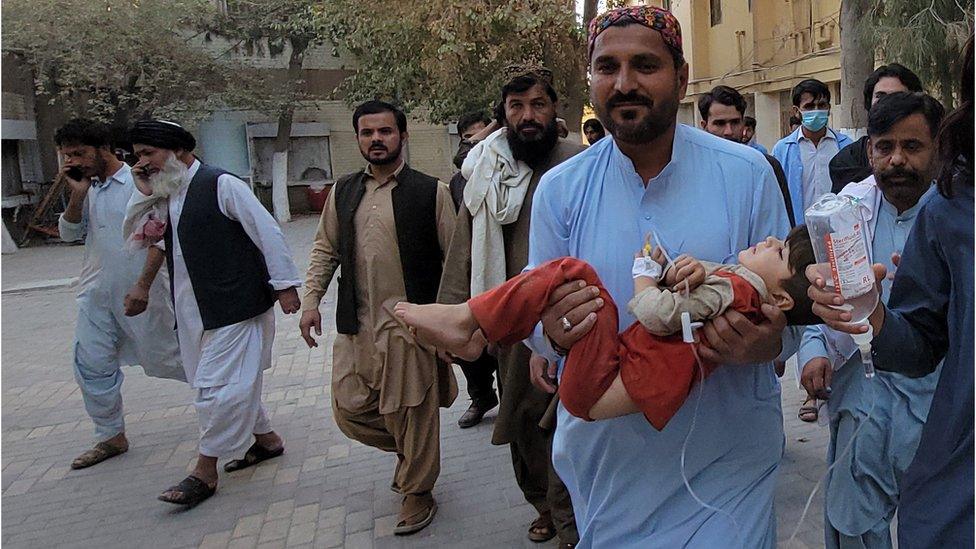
<point x="652" y="17"/>
<point x="626" y="165"/>
<point x="118" y="177"/>
<point x="396" y="173"/>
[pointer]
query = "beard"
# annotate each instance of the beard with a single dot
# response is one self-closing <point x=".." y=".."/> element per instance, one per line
<point x="531" y="149"/>
<point x="388" y="158"/>
<point x="170" y="178"/>
<point x="637" y="130"/>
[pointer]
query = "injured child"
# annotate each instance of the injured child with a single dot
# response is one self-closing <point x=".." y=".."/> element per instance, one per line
<point x="647" y="368"/>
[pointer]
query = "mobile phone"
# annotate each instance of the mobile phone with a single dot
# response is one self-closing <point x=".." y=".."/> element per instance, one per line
<point x="75" y="173"/>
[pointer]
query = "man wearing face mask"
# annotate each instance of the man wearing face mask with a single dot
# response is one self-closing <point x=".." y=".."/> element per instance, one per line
<point x="805" y="154"/>
<point x="530" y="146"/>
<point x="387" y="226"/>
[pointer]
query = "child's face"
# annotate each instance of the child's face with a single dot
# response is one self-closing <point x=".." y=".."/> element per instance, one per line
<point x="770" y="260"/>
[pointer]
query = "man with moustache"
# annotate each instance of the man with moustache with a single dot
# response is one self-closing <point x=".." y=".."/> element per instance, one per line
<point x="229" y="263"/>
<point x="901" y="129"/>
<point x="531" y="135"/>
<point x="697" y="194"/>
<point x="106" y="336"/>
<point x="388" y="227"/>
<point x="852" y="163"/>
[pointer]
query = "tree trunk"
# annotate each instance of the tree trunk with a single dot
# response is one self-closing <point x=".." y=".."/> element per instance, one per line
<point x="576" y="92"/>
<point x="589" y="12"/>
<point x="279" y="160"/>
<point x="856" y="63"/>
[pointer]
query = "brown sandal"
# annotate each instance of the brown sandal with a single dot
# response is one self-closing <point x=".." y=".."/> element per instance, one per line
<point x="99" y="453"/>
<point x="425" y="514"/>
<point x="542" y="529"/>
<point x="809" y="412"/>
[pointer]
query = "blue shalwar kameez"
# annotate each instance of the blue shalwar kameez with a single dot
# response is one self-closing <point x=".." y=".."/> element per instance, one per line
<point x="713" y="199"/>
<point x="106" y="339"/>
<point x="862" y="490"/>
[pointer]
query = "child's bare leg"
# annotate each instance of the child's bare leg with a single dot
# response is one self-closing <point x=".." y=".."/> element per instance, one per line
<point x="451" y="328"/>
<point x="614" y="403"/>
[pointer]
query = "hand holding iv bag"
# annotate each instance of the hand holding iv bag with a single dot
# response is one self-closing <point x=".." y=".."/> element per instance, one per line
<point x="843" y="253"/>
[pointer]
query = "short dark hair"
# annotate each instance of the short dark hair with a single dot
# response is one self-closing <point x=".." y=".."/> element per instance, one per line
<point x="469" y="119"/>
<point x="801" y="257"/>
<point x="795" y="120"/>
<point x="812" y="86"/>
<point x="894" y="107"/>
<point x="723" y="95"/>
<point x="522" y="83"/>
<point x="749" y="122"/>
<point x="892" y="70"/>
<point x="378" y="107"/>
<point x="593" y="124"/>
<point x="83" y="131"/>
<point x="677" y="56"/>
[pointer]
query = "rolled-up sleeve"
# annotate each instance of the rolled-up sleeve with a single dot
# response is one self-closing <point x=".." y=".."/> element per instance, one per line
<point x="238" y="202"/>
<point x="73" y="232"/>
<point x="813" y="345"/>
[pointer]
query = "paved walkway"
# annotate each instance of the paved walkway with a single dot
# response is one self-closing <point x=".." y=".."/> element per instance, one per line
<point x="326" y="491"/>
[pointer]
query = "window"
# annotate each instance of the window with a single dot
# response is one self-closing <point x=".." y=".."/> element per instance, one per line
<point x="715" y="7"/>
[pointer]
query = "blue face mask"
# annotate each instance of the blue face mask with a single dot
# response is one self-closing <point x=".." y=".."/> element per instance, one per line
<point x="815" y="120"/>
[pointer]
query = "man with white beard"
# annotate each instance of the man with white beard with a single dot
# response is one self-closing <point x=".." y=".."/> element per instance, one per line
<point x="105" y="337"/>
<point x="229" y="263"/>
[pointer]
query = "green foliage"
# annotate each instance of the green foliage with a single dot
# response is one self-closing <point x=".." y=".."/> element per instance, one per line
<point x="927" y="36"/>
<point x="448" y="56"/>
<point x="273" y="28"/>
<point x="117" y="60"/>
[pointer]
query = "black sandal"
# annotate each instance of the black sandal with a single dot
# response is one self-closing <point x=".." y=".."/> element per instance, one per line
<point x="254" y="455"/>
<point x="192" y="491"/>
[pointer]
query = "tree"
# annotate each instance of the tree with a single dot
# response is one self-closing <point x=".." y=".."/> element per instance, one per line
<point x="282" y="26"/>
<point x="927" y="37"/>
<point x="447" y="56"/>
<point x="116" y="60"/>
<point x="856" y="60"/>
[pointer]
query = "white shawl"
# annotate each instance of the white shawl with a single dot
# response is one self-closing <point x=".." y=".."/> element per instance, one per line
<point x="494" y="193"/>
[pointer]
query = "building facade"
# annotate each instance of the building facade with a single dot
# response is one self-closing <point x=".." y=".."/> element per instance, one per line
<point x="762" y="48"/>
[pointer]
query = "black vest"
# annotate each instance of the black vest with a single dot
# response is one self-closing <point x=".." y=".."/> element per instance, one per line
<point x="227" y="270"/>
<point x="415" y="216"/>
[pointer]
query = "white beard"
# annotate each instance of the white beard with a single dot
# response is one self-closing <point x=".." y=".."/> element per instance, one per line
<point x="170" y="178"/>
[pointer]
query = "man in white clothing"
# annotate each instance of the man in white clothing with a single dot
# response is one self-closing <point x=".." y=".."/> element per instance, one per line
<point x="105" y="338"/>
<point x="229" y="263"/>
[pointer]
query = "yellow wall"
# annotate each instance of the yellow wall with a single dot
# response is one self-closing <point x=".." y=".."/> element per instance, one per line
<point x="766" y="50"/>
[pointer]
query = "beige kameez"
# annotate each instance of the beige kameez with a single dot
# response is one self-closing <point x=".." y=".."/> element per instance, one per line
<point x="526" y="415"/>
<point x="386" y="388"/>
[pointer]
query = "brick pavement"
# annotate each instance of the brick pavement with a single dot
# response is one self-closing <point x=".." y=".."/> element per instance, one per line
<point x="326" y="491"/>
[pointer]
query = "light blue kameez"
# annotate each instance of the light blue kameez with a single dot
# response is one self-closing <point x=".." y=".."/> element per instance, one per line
<point x="106" y="339"/>
<point x="862" y="491"/>
<point x="712" y="200"/>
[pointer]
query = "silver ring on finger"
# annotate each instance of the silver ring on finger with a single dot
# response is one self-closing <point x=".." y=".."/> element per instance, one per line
<point x="567" y="325"/>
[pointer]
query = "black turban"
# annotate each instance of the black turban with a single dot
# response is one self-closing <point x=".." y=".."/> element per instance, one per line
<point x="162" y="134"/>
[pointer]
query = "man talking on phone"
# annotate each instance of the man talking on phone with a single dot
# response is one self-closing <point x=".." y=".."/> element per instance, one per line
<point x="105" y="338"/>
